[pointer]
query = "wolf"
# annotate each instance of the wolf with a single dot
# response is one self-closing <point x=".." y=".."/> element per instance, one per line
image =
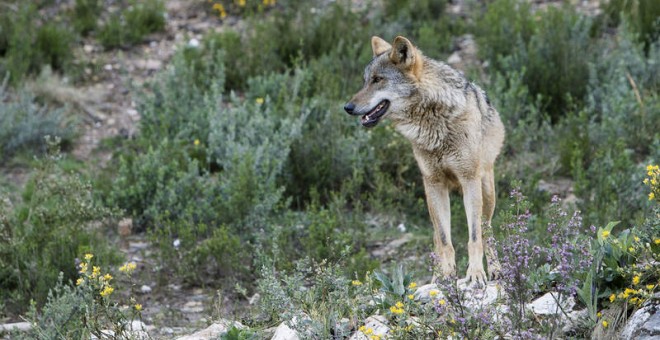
<point x="456" y="135"/>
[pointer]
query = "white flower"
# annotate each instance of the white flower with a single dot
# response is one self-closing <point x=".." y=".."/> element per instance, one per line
<point x="176" y="243"/>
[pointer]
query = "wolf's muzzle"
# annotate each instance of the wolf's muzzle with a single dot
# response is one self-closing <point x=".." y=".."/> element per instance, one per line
<point x="349" y="108"/>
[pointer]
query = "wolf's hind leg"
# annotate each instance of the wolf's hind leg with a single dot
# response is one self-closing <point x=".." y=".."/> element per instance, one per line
<point x="437" y="199"/>
<point x="489" y="196"/>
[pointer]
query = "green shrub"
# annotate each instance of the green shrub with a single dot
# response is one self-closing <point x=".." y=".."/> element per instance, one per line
<point x="85" y="15"/>
<point x="504" y="27"/>
<point x="56" y="221"/>
<point x="53" y="41"/>
<point x="24" y="123"/>
<point x="28" y="46"/>
<point x="641" y="14"/>
<point x="133" y="23"/>
<point x="554" y="50"/>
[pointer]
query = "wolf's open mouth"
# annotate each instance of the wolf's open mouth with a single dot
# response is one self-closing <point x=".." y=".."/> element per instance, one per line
<point x="371" y="118"/>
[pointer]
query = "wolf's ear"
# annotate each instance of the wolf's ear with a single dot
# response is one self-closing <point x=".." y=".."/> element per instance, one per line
<point x="379" y="46"/>
<point x="405" y="54"/>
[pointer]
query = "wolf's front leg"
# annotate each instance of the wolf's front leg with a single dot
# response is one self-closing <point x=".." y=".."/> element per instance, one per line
<point x="437" y="199"/>
<point x="472" y="200"/>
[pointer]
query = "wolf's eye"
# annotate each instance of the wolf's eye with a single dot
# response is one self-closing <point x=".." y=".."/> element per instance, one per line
<point x="376" y="79"/>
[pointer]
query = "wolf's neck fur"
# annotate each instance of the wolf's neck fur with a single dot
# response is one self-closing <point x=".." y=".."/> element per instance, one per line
<point x="437" y="107"/>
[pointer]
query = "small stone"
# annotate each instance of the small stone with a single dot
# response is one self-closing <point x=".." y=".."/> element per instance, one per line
<point x="145" y="289"/>
<point x="214" y="331"/>
<point x="254" y="299"/>
<point x="378" y="325"/>
<point x="423" y="293"/>
<point x="547" y="304"/>
<point x="125" y="227"/>
<point x="194" y="43"/>
<point x="454" y="59"/>
<point x="107" y="67"/>
<point x="401" y="227"/>
<point x="88" y="48"/>
<point x="284" y="332"/>
<point x="192" y="307"/>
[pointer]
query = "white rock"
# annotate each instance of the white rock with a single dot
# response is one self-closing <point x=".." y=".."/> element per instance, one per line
<point x="193" y="307"/>
<point x="194" y="43"/>
<point x="254" y="299"/>
<point x="454" y="59"/>
<point x="145" y="289"/>
<point x="547" y="304"/>
<point x="17" y="326"/>
<point x="214" y="331"/>
<point x="401" y="227"/>
<point x="377" y="323"/>
<point x="423" y="293"/>
<point x="284" y="332"/>
<point x="574" y="319"/>
<point x="478" y="298"/>
<point x="643" y="324"/>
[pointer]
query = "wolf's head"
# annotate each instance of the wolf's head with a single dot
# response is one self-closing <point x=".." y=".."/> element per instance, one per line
<point x="389" y="79"/>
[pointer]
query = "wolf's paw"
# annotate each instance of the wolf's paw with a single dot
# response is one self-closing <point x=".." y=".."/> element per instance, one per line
<point x="475" y="277"/>
<point x="494" y="272"/>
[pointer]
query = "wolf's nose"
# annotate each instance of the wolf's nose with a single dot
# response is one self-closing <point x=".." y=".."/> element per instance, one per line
<point x="349" y="108"/>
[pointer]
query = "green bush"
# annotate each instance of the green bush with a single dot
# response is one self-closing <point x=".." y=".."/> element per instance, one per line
<point x="85" y="15"/>
<point x="554" y="50"/>
<point x="641" y="14"/>
<point x="133" y="23"/>
<point x="28" y="46"/>
<point x="56" y="221"/>
<point x="24" y="123"/>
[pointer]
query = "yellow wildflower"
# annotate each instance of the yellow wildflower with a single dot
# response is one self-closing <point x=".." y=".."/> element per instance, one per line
<point x="221" y="10"/>
<point x="599" y="314"/>
<point x="442" y="302"/>
<point x="96" y="271"/>
<point x="362" y="328"/>
<point x="433" y="293"/>
<point x="80" y="281"/>
<point x="375" y="337"/>
<point x="399" y="304"/>
<point x="138" y="307"/>
<point x="649" y="287"/>
<point x="356" y="283"/>
<point x="83" y="267"/>
<point x="605" y="323"/>
<point x="634" y="300"/>
<point x="656" y="241"/>
<point x="107" y="277"/>
<point x="612" y="298"/>
<point x="396" y="310"/>
<point x="605" y="233"/>
<point x="88" y="257"/>
<point x="196" y="142"/>
<point x="107" y="291"/>
<point x="636" y="239"/>
<point x="412" y="285"/>
<point x="409" y="328"/>
<point x="635" y="280"/>
<point x="269" y="2"/>
<point x="631" y="249"/>
<point x="651" y="196"/>
<point x="259" y="100"/>
<point x="241" y="3"/>
<point x="411" y="297"/>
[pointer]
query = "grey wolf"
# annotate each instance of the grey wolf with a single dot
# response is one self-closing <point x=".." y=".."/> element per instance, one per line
<point x="455" y="133"/>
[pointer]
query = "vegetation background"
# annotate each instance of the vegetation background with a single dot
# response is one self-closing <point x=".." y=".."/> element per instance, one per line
<point x="242" y="167"/>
